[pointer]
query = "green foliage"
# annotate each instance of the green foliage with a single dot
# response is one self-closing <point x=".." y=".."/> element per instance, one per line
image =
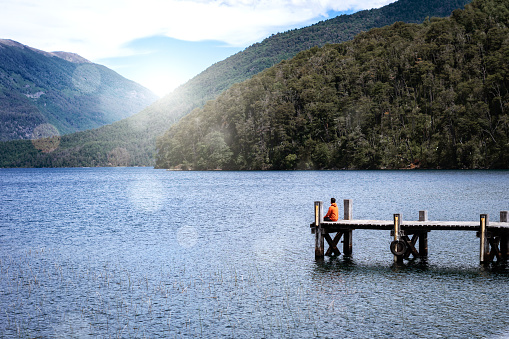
<point x="431" y="95"/>
<point x="213" y="152"/>
<point x="138" y="133"/>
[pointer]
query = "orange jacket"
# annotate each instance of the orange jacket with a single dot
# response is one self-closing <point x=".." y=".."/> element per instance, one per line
<point x="332" y="213"/>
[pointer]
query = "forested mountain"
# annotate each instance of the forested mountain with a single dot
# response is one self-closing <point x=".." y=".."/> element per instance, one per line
<point x="134" y="137"/>
<point x="430" y="95"/>
<point x="61" y="89"/>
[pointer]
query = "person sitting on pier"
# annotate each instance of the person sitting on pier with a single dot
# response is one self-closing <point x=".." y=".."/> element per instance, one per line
<point x="332" y="213"/>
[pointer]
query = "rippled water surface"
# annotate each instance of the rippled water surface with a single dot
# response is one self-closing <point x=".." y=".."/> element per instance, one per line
<point x="138" y="252"/>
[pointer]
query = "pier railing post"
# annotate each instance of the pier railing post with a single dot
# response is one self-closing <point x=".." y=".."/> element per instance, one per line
<point x="347" y="205"/>
<point x="319" y="233"/>
<point x="484" y="252"/>
<point x="423" y="215"/>
<point x="504" y="238"/>
<point x="503" y="216"/>
<point x="423" y="236"/>
<point x="347" y="235"/>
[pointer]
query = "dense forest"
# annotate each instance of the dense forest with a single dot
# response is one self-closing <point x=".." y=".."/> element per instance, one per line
<point x="135" y="137"/>
<point x="61" y="89"/>
<point x="430" y="95"/>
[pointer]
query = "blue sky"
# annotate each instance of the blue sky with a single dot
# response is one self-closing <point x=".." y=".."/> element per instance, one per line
<point x="160" y="43"/>
<point x="164" y="62"/>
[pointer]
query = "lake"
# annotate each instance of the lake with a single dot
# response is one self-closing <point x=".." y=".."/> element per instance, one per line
<point x="139" y="252"/>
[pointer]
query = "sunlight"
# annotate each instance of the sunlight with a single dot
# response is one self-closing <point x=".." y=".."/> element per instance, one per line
<point x="162" y="83"/>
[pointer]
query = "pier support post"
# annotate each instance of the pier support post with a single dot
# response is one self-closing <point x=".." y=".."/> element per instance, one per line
<point x="398" y="247"/>
<point x="484" y="253"/>
<point x="504" y="238"/>
<point x="423" y="236"/>
<point x="347" y="235"/>
<point x="319" y="232"/>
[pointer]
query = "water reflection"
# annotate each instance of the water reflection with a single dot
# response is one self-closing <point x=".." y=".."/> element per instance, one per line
<point x="420" y="265"/>
<point x="334" y="263"/>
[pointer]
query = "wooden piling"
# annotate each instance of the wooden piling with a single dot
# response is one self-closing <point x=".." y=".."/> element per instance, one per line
<point x="347" y="235"/>
<point x="423" y="236"/>
<point x="504" y="238"/>
<point x="397" y="245"/>
<point x="503" y="216"/>
<point x="484" y="252"/>
<point x="397" y="226"/>
<point x="319" y="231"/>
<point x="423" y="215"/>
<point x="347" y="206"/>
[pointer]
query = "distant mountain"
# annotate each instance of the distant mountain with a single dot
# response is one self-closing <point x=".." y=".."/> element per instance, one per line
<point x="430" y="95"/>
<point x="135" y="137"/>
<point x="62" y="89"/>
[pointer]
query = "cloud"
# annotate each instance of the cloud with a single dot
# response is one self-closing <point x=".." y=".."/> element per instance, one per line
<point x="110" y="31"/>
<point x="100" y="29"/>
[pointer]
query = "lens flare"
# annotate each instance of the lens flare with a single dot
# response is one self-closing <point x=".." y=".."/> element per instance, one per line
<point x="187" y="236"/>
<point x="46" y="138"/>
<point x="146" y="194"/>
<point x="119" y="157"/>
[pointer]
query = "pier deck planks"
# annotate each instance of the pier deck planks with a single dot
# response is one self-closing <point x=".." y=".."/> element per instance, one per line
<point x="411" y="225"/>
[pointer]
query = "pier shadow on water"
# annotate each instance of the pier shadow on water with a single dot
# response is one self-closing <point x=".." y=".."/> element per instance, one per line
<point x="342" y="264"/>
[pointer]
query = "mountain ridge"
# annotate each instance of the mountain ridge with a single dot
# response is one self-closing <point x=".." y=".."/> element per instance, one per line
<point x="62" y="89"/>
<point x="137" y="134"/>
<point x="68" y="56"/>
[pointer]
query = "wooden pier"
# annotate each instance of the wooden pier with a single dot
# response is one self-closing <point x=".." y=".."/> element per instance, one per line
<point x="410" y="238"/>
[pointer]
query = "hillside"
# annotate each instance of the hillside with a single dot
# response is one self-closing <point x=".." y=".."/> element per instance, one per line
<point x="62" y="89"/>
<point x="430" y="95"/>
<point x="135" y="137"/>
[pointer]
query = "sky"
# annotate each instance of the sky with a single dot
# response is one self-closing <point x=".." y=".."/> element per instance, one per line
<point x="160" y="43"/>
